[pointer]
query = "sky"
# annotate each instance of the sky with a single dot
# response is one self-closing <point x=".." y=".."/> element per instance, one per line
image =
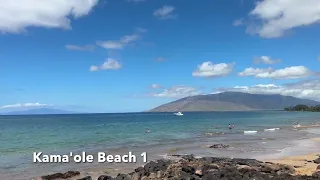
<point x="133" y="55"/>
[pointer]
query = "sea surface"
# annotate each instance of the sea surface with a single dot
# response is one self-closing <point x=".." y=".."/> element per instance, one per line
<point x="20" y="136"/>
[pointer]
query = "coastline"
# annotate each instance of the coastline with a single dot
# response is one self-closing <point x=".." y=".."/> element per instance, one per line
<point x="303" y="164"/>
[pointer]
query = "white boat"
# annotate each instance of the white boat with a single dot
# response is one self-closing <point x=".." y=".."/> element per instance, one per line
<point x="178" y="114"/>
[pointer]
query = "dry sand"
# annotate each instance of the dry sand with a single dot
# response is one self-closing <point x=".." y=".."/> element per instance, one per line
<point x="303" y="165"/>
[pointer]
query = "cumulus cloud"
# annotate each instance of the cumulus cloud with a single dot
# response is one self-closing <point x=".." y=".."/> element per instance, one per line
<point x="16" y="16"/>
<point x="19" y="105"/>
<point x="177" y="92"/>
<point x="293" y="72"/>
<point x="255" y="71"/>
<point x="208" y="69"/>
<point x="124" y="41"/>
<point x="165" y="12"/>
<point x="109" y="64"/>
<point x="309" y="89"/>
<point x="276" y="17"/>
<point x="155" y="86"/>
<point x="266" y="60"/>
<point x="80" y="48"/>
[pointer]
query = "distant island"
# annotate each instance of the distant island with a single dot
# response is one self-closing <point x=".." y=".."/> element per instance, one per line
<point x="303" y="107"/>
<point x="232" y="101"/>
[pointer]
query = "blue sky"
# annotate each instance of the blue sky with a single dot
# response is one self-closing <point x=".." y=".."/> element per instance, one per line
<point x="120" y="55"/>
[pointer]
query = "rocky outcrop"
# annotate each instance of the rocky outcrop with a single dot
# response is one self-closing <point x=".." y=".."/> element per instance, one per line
<point x="219" y="146"/>
<point x="317" y="161"/>
<point x="211" y="168"/>
<point x="66" y="175"/>
<point x="208" y="168"/>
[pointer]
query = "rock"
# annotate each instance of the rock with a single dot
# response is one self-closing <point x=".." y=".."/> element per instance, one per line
<point x="219" y="146"/>
<point x="123" y="177"/>
<point x="66" y="175"/>
<point x="86" y="178"/>
<point x="105" y="177"/>
<point x="198" y="172"/>
<point x="152" y="176"/>
<point x="316" y="175"/>
<point x="318" y="168"/>
<point x="144" y="178"/>
<point x="136" y="176"/>
<point x="159" y="174"/>
<point x="188" y="169"/>
<point x="317" y="161"/>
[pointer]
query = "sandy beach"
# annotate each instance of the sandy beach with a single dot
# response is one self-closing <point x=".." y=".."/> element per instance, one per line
<point x="304" y="164"/>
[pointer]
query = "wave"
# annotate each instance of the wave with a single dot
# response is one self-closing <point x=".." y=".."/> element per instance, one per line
<point x="250" y="132"/>
<point x="272" y="129"/>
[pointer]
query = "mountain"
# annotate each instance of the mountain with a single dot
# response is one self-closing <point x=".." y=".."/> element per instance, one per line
<point x="232" y="101"/>
<point x="39" y="111"/>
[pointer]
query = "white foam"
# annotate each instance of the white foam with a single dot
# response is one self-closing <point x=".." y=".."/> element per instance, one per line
<point x="250" y="132"/>
<point x="272" y="129"/>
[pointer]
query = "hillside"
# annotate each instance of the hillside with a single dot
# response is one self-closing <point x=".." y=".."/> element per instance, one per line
<point x="232" y="101"/>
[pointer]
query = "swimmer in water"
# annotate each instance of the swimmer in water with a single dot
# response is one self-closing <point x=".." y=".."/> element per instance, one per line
<point x="230" y="127"/>
<point x="233" y="126"/>
<point x="148" y="131"/>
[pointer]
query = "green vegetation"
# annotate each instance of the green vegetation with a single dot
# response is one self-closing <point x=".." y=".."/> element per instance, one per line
<point x="302" y="107"/>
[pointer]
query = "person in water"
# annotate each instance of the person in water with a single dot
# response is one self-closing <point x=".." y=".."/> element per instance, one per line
<point x="148" y="131"/>
<point x="230" y="127"/>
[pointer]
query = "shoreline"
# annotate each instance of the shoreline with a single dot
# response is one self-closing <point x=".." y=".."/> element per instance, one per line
<point x="303" y="164"/>
<point x="189" y="167"/>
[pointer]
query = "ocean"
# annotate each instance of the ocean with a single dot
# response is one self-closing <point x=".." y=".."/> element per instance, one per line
<point x="256" y="135"/>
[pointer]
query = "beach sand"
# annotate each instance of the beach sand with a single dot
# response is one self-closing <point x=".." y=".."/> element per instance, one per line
<point x="303" y="165"/>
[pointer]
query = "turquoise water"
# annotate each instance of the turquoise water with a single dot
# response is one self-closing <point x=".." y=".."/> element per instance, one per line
<point x="60" y="134"/>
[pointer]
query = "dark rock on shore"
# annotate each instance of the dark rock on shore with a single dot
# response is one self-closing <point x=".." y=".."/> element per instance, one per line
<point x="211" y="168"/>
<point x="66" y="175"/>
<point x="219" y="146"/>
<point x="86" y="178"/>
<point x="208" y="168"/>
<point x="317" y="161"/>
<point x="103" y="177"/>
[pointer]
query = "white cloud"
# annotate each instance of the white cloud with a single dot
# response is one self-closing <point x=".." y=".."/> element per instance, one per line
<point x="156" y="86"/>
<point x="208" y="69"/>
<point x="304" y="89"/>
<point x="254" y="71"/>
<point x="165" y="12"/>
<point x="19" y="105"/>
<point x="279" y="16"/>
<point x="125" y="40"/>
<point x="16" y="16"/>
<point x="94" y="68"/>
<point x="177" y="92"/>
<point x="238" y="22"/>
<point x="293" y="72"/>
<point x="109" y="64"/>
<point x="110" y="44"/>
<point x="266" y="60"/>
<point x="80" y="48"/>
